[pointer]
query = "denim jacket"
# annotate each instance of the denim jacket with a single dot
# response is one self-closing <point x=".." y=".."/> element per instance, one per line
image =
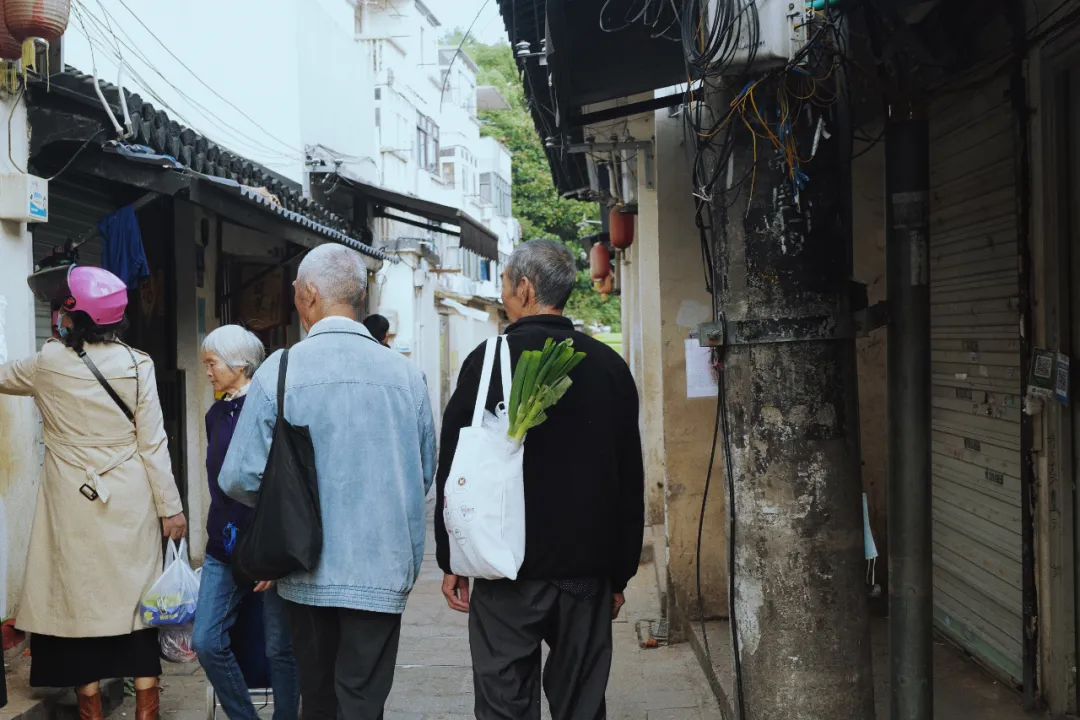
<point x="370" y="420"/>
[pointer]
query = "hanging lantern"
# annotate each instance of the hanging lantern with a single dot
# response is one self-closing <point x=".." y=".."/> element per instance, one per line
<point x="29" y="21"/>
<point x="9" y="46"/>
<point x="599" y="262"/>
<point x="621" y="228"/>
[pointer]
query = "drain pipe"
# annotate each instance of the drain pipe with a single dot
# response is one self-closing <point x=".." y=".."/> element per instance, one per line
<point x="907" y="219"/>
<point x="1018" y="88"/>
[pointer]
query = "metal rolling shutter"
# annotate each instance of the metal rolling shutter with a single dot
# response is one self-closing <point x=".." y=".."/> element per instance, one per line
<point x="976" y="379"/>
<point x="73" y="208"/>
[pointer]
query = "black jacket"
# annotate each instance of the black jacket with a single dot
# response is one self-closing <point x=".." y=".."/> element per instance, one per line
<point x="583" y="470"/>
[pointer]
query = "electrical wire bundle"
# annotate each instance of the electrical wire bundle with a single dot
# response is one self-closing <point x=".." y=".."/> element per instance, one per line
<point x="651" y="13"/>
<point x="767" y="107"/>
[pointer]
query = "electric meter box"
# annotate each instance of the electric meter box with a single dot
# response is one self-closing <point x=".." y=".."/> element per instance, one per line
<point x="24" y="198"/>
<point x="782" y="32"/>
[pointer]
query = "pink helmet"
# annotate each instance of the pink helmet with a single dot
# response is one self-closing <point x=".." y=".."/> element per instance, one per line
<point x="82" y="288"/>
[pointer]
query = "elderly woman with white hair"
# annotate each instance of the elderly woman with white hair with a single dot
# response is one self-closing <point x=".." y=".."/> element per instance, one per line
<point x="231" y="355"/>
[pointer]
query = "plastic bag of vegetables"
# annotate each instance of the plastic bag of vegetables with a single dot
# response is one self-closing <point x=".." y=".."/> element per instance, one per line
<point x="171" y="600"/>
<point x="484" y="499"/>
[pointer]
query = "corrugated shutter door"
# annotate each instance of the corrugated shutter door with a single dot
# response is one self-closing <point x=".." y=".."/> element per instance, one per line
<point x="73" y="208"/>
<point x="976" y="377"/>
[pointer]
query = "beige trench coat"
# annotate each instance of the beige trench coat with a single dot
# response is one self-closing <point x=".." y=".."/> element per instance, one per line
<point x="90" y="562"/>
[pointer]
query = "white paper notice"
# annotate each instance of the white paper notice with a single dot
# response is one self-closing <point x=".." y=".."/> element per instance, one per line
<point x="700" y="381"/>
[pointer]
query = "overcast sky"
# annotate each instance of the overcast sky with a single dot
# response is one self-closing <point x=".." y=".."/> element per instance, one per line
<point x="460" y="14"/>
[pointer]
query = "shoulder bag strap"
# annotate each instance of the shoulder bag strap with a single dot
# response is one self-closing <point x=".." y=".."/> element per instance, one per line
<point x="504" y="367"/>
<point x="485" y="382"/>
<point x="282" y="371"/>
<point x="108" y="388"/>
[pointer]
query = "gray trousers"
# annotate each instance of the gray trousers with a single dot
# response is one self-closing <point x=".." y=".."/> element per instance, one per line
<point x="508" y="621"/>
<point x="346" y="661"/>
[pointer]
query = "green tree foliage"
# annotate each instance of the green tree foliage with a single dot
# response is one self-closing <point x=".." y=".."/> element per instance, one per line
<point x="537" y="205"/>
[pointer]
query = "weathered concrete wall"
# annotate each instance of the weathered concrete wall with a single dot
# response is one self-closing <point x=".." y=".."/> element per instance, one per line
<point x="651" y="377"/>
<point x="20" y="462"/>
<point x="868" y="199"/>
<point x="684" y="303"/>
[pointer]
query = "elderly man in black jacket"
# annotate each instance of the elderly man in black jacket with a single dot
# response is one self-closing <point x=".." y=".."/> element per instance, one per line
<point x="584" y="513"/>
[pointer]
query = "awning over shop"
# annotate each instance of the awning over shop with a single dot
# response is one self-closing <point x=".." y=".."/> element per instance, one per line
<point x="389" y="204"/>
<point x="466" y="311"/>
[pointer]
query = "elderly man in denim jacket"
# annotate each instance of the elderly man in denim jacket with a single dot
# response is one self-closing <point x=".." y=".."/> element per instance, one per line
<point x="374" y="435"/>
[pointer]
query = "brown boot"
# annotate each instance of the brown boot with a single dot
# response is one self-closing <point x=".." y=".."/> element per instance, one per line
<point x="147" y="703"/>
<point x="90" y="707"/>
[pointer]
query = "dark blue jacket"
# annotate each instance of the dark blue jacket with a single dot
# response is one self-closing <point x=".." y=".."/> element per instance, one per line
<point x="227" y="517"/>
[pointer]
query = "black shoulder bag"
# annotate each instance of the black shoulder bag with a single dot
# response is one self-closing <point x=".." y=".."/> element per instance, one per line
<point x="286" y="534"/>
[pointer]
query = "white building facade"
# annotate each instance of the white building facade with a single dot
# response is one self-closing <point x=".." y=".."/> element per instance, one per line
<point x="443" y="299"/>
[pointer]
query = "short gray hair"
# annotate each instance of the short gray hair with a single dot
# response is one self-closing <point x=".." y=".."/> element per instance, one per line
<point x="550" y="267"/>
<point x="337" y="272"/>
<point x="236" y="347"/>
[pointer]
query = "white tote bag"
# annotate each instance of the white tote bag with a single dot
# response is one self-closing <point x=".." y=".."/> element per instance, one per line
<point x="484" y="499"/>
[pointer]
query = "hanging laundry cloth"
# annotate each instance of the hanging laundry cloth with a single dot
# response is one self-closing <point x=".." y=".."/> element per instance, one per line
<point x="123" y="254"/>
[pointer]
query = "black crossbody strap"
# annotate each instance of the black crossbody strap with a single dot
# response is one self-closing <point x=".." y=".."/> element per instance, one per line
<point x="105" y="384"/>
<point x="281" y="384"/>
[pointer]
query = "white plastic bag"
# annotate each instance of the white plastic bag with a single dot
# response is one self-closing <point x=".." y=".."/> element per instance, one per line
<point x="171" y="601"/>
<point x="484" y="498"/>
<point x="176" y="645"/>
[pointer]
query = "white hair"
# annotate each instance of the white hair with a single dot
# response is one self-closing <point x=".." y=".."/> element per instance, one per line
<point x="337" y="272"/>
<point x="236" y="347"/>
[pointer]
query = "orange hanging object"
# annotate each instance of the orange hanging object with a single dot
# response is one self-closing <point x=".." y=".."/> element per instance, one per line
<point x="599" y="262"/>
<point x="30" y="21"/>
<point x="45" y="19"/>
<point x="621" y="228"/>
<point x="10" y="49"/>
<point x="605" y="287"/>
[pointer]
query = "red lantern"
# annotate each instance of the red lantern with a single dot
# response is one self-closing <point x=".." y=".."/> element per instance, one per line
<point x="10" y="49"/>
<point x="599" y="262"/>
<point x="45" y="19"/>
<point x="621" y="228"/>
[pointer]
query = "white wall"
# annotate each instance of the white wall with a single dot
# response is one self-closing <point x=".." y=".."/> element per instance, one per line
<point x="264" y="78"/>
<point x="336" y="87"/>
<point x="199" y="395"/>
<point x="19" y="421"/>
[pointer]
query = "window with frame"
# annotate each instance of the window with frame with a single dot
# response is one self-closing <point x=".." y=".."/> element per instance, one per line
<point x="495" y="189"/>
<point x="502" y="196"/>
<point x="427" y="143"/>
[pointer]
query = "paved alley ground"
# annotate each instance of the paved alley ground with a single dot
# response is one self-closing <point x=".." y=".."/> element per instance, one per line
<point x="434" y="680"/>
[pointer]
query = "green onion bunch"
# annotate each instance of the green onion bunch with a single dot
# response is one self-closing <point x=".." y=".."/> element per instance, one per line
<point x="541" y="378"/>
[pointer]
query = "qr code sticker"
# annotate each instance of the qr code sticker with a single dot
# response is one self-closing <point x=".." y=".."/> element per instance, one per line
<point x="1044" y="367"/>
<point x="1061" y="382"/>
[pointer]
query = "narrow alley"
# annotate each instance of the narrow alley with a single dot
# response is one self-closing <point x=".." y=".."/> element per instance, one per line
<point x="434" y="682"/>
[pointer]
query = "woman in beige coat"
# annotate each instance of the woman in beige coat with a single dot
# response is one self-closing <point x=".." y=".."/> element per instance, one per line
<point x="107" y="495"/>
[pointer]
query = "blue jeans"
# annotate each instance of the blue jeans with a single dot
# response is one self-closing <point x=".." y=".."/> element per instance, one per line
<point x="219" y="600"/>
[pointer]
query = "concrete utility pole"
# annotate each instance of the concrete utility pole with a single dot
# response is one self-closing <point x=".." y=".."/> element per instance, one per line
<point x="783" y="282"/>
